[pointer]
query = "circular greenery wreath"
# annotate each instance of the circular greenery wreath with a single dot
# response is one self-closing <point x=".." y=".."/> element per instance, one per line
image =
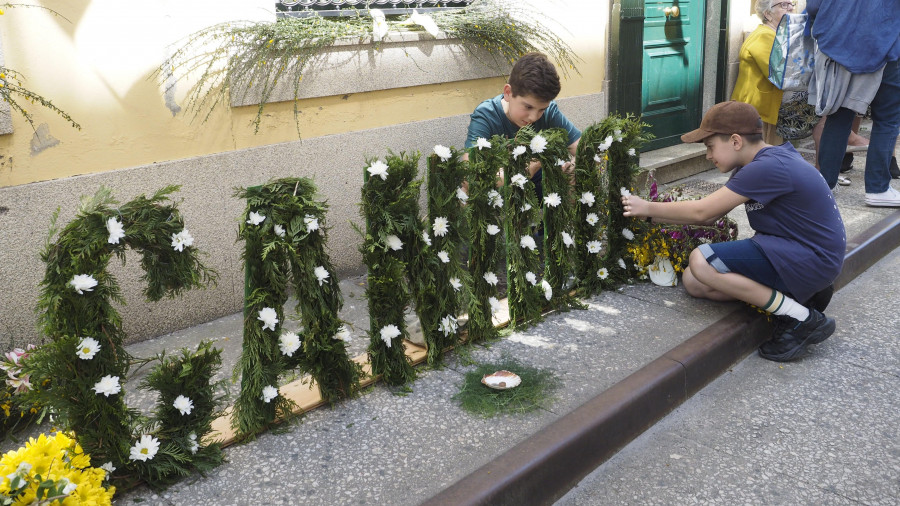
<point x="86" y="361"/>
<point x="284" y="232"/>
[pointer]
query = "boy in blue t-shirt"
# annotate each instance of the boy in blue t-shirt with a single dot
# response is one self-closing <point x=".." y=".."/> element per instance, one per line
<point x="527" y="99"/>
<point x="787" y="268"/>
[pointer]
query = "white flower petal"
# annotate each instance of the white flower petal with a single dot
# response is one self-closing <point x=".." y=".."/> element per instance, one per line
<point x="145" y="449"/>
<point x="269" y="317"/>
<point x="254" y="218"/>
<point x="183" y="404"/>
<point x="378" y="168"/>
<point x="443" y="152"/>
<point x="87" y="348"/>
<point x="115" y="229"/>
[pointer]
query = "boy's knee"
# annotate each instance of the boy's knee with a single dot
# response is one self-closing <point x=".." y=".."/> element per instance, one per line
<point x="697" y="262"/>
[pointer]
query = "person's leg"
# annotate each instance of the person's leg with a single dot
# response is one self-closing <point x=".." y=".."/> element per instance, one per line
<point x="885" y="127"/>
<point x="856" y="139"/>
<point x="833" y="144"/>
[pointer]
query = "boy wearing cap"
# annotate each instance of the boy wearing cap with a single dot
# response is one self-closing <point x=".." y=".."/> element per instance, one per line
<point x="798" y="249"/>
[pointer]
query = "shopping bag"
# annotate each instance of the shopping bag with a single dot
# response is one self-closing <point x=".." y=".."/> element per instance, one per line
<point x="796" y="117"/>
<point x="792" y="59"/>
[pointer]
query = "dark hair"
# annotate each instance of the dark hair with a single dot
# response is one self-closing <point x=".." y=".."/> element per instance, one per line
<point x="534" y="75"/>
<point x="748" y="138"/>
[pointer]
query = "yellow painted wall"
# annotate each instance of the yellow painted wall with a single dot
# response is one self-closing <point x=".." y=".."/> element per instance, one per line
<point x="96" y="66"/>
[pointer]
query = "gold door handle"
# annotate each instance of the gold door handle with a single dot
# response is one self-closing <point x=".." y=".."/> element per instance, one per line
<point x="672" y="12"/>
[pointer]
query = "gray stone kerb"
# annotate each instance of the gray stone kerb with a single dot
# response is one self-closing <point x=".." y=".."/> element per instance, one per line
<point x="544" y="467"/>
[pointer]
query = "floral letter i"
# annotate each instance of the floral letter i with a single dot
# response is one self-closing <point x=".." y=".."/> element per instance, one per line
<point x="393" y="237"/>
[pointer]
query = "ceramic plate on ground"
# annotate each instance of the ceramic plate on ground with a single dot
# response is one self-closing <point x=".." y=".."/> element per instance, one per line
<point x="501" y="380"/>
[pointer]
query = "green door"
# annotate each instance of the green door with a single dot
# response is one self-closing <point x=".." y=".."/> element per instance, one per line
<point x="672" y="77"/>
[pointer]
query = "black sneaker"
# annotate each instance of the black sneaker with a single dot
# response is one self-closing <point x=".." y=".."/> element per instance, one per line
<point x="895" y="170"/>
<point x="791" y="338"/>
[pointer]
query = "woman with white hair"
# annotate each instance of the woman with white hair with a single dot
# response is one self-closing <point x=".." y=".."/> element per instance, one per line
<point x="753" y="86"/>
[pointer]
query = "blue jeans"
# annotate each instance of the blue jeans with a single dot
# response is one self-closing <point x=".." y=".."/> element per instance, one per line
<point x="885" y="128"/>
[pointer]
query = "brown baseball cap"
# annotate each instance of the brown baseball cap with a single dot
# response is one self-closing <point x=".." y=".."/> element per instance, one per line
<point x="726" y="118"/>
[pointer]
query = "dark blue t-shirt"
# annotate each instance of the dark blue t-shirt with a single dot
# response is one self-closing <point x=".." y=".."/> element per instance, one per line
<point x="488" y="120"/>
<point x="795" y="217"/>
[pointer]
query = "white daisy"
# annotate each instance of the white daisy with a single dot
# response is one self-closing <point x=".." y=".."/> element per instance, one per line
<point x="462" y="195"/>
<point x="254" y="218"/>
<point x="425" y="237"/>
<point x="624" y="191"/>
<point x="379" y="169"/>
<point x="269" y="318"/>
<point x="593" y="247"/>
<point x="552" y="199"/>
<point x="538" y="144"/>
<point x="115" y="229"/>
<point x="441" y="226"/>
<point x="598" y="159"/>
<point x="389" y="332"/>
<point x="448" y="325"/>
<point x="456" y="284"/>
<point x="444" y="256"/>
<point x="268" y="393"/>
<point x="495" y="199"/>
<point x="531" y="278"/>
<point x="493" y="229"/>
<point x="490" y="278"/>
<point x="443" y="152"/>
<point x="627" y="234"/>
<point x="482" y="143"/>
<point x="312" y="223"/>
<point x="587" y="198"/>
<point x="518" y="150"/>
<point x="83" y="283"/>
<point x="592" y="219"/>
<point x="321" y="274"/>
<point x="631" y="152"/>
<point x="108" y="385"/>
<point x="603" y="146"/>
<point x="145" y="449"/>
<point x="548" y="290"/>
<point x="528" y="242"/>
<point x="567" y="239"/>
<point x="622" y="264"/>
<point x="279" y="230"/>
<point x="602" y="273"/>
<point x="343" y="334"/>
<point x="87" y="348"/>
<point x="183" y="404"/>
<point x="289" y="342"/>
<point x="519" y="180"/>
<point x="394" y="243"/>
<point x="495" y="305"/>
<point x="192" y="437"/>
<point x="182" y="240"/>
<point x="525" y="207"/>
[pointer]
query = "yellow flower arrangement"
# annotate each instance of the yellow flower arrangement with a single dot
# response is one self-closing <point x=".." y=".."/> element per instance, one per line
<point x="56" y="459"/>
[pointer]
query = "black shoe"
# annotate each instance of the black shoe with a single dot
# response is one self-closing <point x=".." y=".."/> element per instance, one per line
<point x="847" y="162"/>
<point x="792" y="337"/>
<point x="819" y="301"/>
<point x="895" y="170"/>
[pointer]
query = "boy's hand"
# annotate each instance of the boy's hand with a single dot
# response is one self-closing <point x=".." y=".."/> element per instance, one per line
<point x="635" y="206"/>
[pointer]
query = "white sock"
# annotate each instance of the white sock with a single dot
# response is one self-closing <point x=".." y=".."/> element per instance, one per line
<point x="782" y="305"/>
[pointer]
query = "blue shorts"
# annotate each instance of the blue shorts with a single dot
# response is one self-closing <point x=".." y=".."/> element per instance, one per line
<point x="743" y="257"/>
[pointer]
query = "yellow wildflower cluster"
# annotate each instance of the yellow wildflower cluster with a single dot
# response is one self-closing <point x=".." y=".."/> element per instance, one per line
<point x="645" y="248"/>
<point x="54" y="458"/>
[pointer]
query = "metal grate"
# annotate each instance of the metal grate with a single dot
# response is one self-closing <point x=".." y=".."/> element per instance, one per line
<point x="306" y="8"/>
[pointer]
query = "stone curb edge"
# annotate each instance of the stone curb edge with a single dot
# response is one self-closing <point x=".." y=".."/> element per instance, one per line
<point x="542" y="468"/>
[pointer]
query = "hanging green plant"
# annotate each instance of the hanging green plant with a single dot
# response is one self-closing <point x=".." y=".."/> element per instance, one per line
<point x="394" y="238"/>
<point x="486" y="246"/>
<point x="285" y="235"/>
<point x="590" y="164"/>
<point x="526" y="291"/>
<point x="439" y="288"/>
<point x="232" y="60"/>
<point x="86" y="362"/>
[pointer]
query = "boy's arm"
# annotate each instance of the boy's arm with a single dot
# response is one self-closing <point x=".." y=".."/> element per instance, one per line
<point x="686" y="212"/>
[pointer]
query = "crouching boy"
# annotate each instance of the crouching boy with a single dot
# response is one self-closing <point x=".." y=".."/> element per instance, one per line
<point x="788" y="266"/>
